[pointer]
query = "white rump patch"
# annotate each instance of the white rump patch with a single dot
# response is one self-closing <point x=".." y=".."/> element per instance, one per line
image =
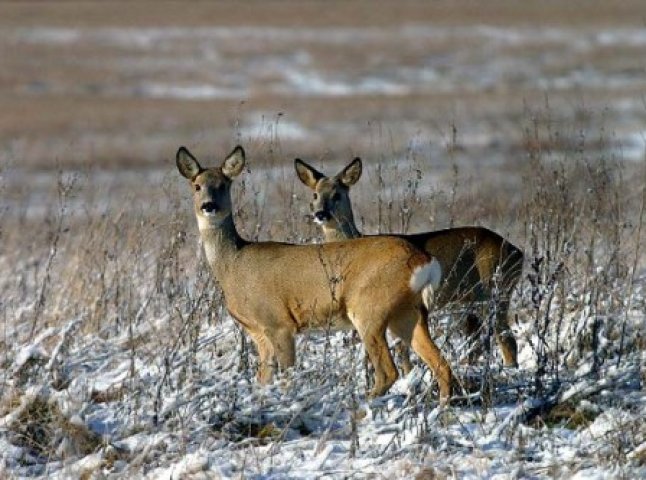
<point x="426" y="275"/>
<point x="426" y="279"/>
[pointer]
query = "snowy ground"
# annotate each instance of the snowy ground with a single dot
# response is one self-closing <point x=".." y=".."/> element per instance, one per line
<point x="171" y="398"/>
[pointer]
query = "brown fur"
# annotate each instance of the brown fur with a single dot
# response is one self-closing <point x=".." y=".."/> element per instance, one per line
<point x="275" y="290"/>
<point x="469" y="256"/>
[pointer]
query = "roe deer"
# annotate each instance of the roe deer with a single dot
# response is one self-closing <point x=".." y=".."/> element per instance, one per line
<point x="275" y="290"/>
<point x="474" y="259"/>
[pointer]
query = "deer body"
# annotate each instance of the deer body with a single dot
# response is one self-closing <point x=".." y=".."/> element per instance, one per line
<point x="274" y="290"/>
<point x="473" y="259"/>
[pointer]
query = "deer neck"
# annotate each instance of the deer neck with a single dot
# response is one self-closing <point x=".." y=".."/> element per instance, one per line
<point x="221" y="244"/>
<point x="345" y="230"/>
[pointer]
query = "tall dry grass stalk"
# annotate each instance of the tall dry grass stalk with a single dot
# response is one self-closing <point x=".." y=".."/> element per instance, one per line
<point x="578" y="217"/>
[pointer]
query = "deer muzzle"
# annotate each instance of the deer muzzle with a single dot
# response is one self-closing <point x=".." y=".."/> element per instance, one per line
<point x="209" y="208"/>
<point x="322" y="216"/>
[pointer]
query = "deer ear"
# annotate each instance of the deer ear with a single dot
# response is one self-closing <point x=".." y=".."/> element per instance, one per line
<point x="350" y="174"/>
<point x="187" y="164"/>
<point x="234" y="163"/>
<point x="307" y="174"/>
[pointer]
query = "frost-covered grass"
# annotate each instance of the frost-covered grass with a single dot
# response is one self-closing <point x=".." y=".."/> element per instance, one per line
<point x="118" y="359"/>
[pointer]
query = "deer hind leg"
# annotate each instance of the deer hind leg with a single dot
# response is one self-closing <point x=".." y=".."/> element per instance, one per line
<point x="472" y="326"/>
<point x="373" y="336"/>
<point x="411" y="327"/>
<point x="403" y="353"/>
<point x="266" y="356"/>
<point x="402" y="347"/>
<point x="512" y="271"/>
<point x="504" y="336"/>
<point x="488" y="262"/>
<point x="283" y="347"/>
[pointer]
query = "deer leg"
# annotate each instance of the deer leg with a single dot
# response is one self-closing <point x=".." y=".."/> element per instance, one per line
<point x="402" y="349"/>
<point x="403" y="330"/>
<point x="284" y="348"/>
<point x="265" y="354"/>
<point x="504" y="335"/>
<point x="425" y="347"/>
<point x="411" y="327"/>
<point x="488" y="264"/>
<point x="403" y="352"/>
<point x="374" y="340"/>
<point x="472" y="325"/>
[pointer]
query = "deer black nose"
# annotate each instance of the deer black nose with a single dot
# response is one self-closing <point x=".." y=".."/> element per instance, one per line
<point x="322" y="216"/>
<point x="209" y="207"/>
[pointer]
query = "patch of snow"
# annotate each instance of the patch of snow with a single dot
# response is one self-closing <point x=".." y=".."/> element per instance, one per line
<point x="189" y="92"/>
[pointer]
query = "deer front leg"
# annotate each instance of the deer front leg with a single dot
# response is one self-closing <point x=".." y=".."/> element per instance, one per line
<point x="265" y="354"/>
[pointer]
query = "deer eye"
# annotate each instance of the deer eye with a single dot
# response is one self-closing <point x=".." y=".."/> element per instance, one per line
<point x="336" y="197"/>
<point x="197" y="188"/>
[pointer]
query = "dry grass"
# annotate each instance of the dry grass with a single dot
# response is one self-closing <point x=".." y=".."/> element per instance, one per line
<point x="119" y="254"/>
<point x="111" y="235"/>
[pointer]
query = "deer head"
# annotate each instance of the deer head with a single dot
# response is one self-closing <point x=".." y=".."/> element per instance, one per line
<point x="331" y="207"/>
<point x="211" y="186"/>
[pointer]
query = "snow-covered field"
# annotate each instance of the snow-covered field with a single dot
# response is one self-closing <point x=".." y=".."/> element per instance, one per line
<point x="119" y="360"/>
<point x="194" y="414"/>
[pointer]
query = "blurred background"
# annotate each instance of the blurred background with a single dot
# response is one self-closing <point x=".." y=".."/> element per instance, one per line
<point x="451" y="93"/>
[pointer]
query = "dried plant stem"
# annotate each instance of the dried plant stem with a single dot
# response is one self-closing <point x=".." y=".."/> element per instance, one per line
<point x="633" y="270"/>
